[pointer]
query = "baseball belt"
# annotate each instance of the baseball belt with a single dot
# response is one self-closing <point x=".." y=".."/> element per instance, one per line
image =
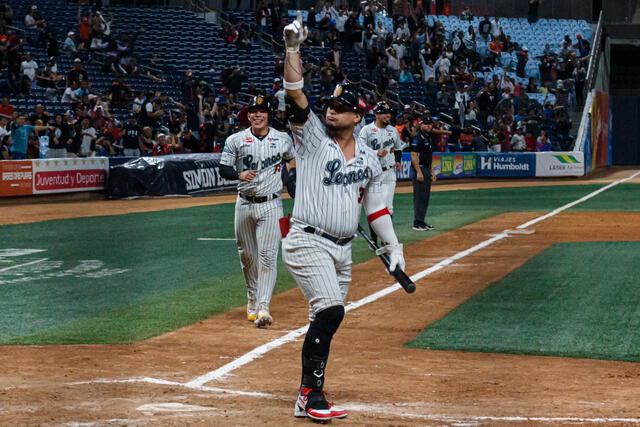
<point x="259" y="199"/>
<point x="340" y="241"/>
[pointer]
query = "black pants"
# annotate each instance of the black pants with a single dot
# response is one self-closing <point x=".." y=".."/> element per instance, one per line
<point x="421" y="194"/>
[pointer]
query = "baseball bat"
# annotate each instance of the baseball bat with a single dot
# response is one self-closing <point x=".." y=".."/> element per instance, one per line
<point x="402" y="278"/>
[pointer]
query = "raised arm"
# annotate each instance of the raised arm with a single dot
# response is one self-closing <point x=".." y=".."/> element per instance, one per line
<point x="294" y="35"/>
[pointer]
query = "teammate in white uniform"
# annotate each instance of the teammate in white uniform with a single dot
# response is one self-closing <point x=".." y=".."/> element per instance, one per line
<point x="254" y="156"/>
<point x="335" y="176"/>
<point x="385" y="140"/>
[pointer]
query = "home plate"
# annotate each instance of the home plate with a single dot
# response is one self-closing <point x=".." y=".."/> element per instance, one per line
<point x="173" y="407"/>
<point x="523" y="231"/>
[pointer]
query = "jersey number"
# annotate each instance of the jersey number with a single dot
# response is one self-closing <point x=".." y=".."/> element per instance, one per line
<point x="361" y="195"/>
<point x="277" y="168"/>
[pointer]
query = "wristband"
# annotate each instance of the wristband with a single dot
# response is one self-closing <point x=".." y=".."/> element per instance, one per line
<point x="294" y="85"/>
<point x="292" y="49"/>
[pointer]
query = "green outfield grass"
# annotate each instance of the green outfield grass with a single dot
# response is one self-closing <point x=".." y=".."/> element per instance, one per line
<point x="124" y="278"/>
<point x="572" y="300"/>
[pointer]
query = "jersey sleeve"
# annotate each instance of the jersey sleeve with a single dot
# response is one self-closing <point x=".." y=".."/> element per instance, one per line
<point x="230" y="151"/>
<point x="289" y="152"/>
<point x="362" y="136"/>
<point x="309" y="136"/>
<point x="398" y="143"/>
<point x="375" y="183"/>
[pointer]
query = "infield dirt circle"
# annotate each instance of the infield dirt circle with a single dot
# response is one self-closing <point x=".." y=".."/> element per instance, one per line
<point x="370" y="372"/>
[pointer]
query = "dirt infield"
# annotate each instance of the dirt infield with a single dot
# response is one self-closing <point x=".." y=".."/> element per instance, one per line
<point x="370" y="372"/>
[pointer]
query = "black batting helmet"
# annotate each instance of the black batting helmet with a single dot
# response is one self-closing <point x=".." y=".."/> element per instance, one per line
<point x="349" y="96"/>
<point x="382" y="107"/>
<point x="260" y="102"/>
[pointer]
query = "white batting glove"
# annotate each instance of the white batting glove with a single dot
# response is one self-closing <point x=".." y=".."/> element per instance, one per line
<point x="295" y="34"/>
<point x="396" y="258"/>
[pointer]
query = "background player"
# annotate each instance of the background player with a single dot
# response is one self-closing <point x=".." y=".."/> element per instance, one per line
<point x="385" y="140"/>
<point x="335" y="175"/>
<point x="254" y="156"/>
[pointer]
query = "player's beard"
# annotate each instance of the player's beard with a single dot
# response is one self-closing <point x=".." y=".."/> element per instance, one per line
<point x="335" y="130"/>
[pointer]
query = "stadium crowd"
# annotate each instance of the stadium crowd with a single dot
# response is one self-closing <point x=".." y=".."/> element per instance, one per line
<point x="467" y="89"/>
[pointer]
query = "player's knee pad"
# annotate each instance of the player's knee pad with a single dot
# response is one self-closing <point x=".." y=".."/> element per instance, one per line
<point x="329" y="319"/>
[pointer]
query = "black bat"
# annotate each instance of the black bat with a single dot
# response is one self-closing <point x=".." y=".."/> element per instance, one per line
<point x="402" y="278"/>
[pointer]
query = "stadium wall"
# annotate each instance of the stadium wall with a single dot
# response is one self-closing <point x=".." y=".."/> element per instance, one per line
<point x="501" y="165"/>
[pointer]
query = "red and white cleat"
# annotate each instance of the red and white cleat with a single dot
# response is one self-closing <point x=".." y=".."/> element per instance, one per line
<point x="313" y="404"/>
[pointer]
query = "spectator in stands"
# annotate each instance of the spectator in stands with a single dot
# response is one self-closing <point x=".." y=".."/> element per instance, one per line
<point x="6" y="109"/>
<point x="50" y="42"/>
<point x="543" y="143"/>
<point x="77" y="73"/>
<point x="5" y="139"/>
<point x="69" y="46"/>
<point x="496" y="28"/>
<point x="466" y="14"/>
<point x="39" y="114"/>
<point x="132" y="68"/>
<point x="20" y="137"/>
<point x="146" y="141"/>
<point x="86" y="134"/>
<point x="582" y="45"/>
<point x="151" y="112"/>
<point x="83" y="91"/>
<point x="131" y="137"/>
<point x="33" y="18"/>
<point x="61" y="138"/>
<point x="6" y="13"/>
<point x="29" y="67"/>
<point x="188" y="142"/>
<point x="154" y="72"/>
<point x="562" y="94"/>
<point x="51" y="81"/>
<point x="518" y="141"/>
<point x="84" y="29"/>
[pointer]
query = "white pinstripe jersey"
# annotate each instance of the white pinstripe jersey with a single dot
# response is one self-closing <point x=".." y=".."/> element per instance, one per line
<point x="329" y="189"/>
<point x="382" y="139"/>
<point x="246" y="152"/>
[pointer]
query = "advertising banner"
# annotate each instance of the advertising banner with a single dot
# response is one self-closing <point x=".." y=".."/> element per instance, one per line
<point x="183" y="174"/>
<point x="446" y="165"/>
<point x="453" y="165"/>
<point x="405" y="173"/>
<point x="16" y="178"/>
<point x="553" y="163"/>
<point x="68" y="175"/>
<point x="506" y="165"/>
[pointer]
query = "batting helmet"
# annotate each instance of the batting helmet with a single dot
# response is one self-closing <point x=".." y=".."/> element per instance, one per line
<point x="260" y="102"/>
<point x="348" y="96"/>
<point x="382" y="107"/>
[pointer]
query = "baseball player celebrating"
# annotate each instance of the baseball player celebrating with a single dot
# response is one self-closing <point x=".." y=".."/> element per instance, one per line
<point x="336" y="175"/>
<point x="385" y="140"/>
<point x="253" y="156"/>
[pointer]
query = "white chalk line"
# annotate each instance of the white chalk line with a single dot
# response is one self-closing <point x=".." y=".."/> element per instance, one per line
<point x="22" y="265"/>
<point x="585" y="198"/>
<point x="176" y="384"/>
<point x="223" y="371"/>
<point x="215" y="239"/>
